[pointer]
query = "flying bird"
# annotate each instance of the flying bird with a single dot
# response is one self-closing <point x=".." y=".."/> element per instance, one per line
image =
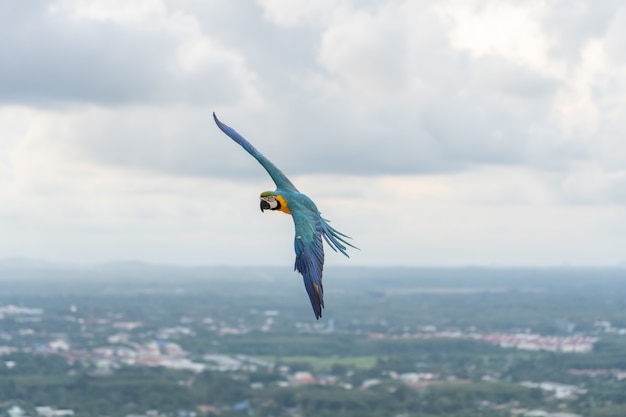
<point x="309" y="224"/>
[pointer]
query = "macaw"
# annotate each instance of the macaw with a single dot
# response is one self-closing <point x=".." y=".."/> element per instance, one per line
<point x="309" y="224"/>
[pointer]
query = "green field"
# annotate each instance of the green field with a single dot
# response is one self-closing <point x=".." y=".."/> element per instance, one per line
<point x="326" y="363"/>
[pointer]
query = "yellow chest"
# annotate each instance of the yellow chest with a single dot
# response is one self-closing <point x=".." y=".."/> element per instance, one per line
<point x="283" y="205"/>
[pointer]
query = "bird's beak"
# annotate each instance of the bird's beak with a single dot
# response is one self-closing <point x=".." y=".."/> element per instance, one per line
<point x="264" y="205"/>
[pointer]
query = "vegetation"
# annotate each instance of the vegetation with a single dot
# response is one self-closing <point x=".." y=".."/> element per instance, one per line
<point x="356" y="374"/>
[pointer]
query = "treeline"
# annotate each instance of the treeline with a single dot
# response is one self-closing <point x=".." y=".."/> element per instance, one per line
<point x="268" y="344"/>
<point x="134" y="390"/>
<point x="608" y="354"/>
<point x="129" y="390"/>
<point x="468" y="399"/>
<point x="49" y="380"/>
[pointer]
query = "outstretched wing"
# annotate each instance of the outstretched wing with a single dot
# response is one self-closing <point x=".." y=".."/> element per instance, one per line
<point x="277" y="175"/>
<point x="310" y="255"/>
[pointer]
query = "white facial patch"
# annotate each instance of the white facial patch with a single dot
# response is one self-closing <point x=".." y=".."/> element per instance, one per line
<point x="271" y="200"/>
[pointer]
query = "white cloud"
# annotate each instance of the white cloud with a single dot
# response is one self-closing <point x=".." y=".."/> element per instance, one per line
<point x="137" y="11"/>
<point x="489" y="216"/>
<point x="289" y="13"/>
<point x="57" y="205"/>
<point x="367" y="51"/>
<point x="590" y="184"/>
<point x="512" y="31"/>
<point x="441" y="132"/>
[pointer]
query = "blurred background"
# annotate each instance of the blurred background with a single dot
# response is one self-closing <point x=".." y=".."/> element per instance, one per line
<point x="473" y="149"/>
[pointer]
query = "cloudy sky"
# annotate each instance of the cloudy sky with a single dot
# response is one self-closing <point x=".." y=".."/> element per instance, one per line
<point x="450" y="132"/>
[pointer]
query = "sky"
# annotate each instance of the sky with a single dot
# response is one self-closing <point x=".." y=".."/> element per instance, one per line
<point x="434" y="133"/>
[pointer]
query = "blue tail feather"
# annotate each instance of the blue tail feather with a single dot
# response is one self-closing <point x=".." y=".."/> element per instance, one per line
<point x="334" y="238"/>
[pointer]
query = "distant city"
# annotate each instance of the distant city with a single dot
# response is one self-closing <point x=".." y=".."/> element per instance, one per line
<point x="121" y="349"/>
<point x="556" y="359"/>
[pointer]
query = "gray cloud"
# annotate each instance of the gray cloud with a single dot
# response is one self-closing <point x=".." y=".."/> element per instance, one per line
<point x="574" y="22"/>
<point x="499" y="74"/>
<point x="51" y="58"/>
<point x="108" y="148"/>
<point x="590" y="185"/>
<point x="324" y="98"/>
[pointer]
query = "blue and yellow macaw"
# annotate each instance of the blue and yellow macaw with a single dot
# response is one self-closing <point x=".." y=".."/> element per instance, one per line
<point x="310" y="225"/>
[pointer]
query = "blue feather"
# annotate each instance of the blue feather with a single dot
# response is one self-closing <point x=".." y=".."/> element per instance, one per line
<point x="277" y="175"/>
<point x="310" y="263"/>
<point x="310" y="226"/>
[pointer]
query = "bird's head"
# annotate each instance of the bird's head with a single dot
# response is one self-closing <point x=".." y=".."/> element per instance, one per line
<point x="273" y="201"/>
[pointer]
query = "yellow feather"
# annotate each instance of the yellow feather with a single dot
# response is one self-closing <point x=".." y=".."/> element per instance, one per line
<point x="317" y="290"/>
<point x="283" y="205"/>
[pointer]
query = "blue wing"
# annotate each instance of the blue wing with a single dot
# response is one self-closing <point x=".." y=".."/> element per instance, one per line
<point x="277" y="175"/>
<point x="310" y="228"/>
<point x="310" y="256"/>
